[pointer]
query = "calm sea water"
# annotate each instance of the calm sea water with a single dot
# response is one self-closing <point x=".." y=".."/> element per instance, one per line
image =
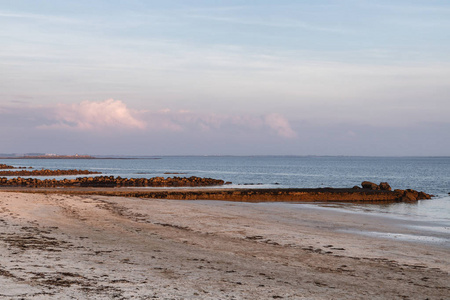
<point x="428" y="174"/>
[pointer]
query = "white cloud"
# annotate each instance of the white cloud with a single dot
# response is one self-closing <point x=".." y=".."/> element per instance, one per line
<point x="89" y="115"/>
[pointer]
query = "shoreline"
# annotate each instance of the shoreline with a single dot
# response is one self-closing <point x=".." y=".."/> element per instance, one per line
<point x="98" y="247"/>
<point x="348" y="195"/>
<point x="408" y="228"/>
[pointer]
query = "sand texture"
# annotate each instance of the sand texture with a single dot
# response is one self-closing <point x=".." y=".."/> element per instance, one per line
<point x="96" y="247"/>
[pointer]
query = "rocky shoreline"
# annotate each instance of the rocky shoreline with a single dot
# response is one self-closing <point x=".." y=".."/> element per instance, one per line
<point x="46" y="172"/>
<point x="108" y="186"/>
<point x="5" y="166"/>
<point x="111" y="181"/>
<point x="281" y="195"/>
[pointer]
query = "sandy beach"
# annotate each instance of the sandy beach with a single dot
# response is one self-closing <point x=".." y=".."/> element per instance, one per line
<point x="96" y="247"/>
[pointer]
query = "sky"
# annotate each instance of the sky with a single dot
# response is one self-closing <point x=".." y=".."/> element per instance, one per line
<point x="285" y="77"/>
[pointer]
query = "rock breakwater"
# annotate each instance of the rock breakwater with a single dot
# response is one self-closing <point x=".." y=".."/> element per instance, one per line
<point x="283" y="195"/>
<point x="111" y="181"/>
<point x="243" y="195"/>
<point x="46" y="172"/>
<point x="4" y="166"/>
<point x="110" y="186"/>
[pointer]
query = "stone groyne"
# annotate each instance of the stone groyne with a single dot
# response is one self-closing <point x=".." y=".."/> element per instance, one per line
<point x="244" y="195"/>
<point x="46" y="172"/>
<point x="111" y="181"/>
<point x="108" y="186"/>
<point x="4" y="166"/>
<point x="276" y="195"/>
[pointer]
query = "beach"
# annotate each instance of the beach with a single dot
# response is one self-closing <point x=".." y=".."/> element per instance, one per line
<point x="96" y="247"/>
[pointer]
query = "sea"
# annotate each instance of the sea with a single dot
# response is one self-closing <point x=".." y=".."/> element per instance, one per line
<point x="428" y="174"/>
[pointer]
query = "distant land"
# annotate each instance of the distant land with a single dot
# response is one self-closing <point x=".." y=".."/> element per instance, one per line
<point x="43" y="156"/>
<point x="72" y="156"/>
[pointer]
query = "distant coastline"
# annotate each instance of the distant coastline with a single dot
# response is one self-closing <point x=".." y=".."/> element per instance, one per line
<point x="49" y="156"/>
<point x="76" y="156"/>
<point x="124" y="156"/>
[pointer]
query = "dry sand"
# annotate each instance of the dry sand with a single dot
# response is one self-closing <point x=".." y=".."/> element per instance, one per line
<point x="96" y="247"/>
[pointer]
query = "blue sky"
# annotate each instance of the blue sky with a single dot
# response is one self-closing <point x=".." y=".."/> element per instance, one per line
<point x="225" y="77"/>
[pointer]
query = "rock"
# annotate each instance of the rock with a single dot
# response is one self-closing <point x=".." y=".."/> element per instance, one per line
<point x="3" y="166"/>
<point x="413" y="193"/>
<point x="356" y="187"/>
<point x="409" y="197"/>
<point x="111" y="181"/>
<point x="45" y="172"/>
<point x="385" y="186"/>
<point x="423" y="196"/>
<point x="370" y="185"/>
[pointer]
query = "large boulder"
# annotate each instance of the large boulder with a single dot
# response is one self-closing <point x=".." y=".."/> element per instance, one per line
<point x="370" y="185"/>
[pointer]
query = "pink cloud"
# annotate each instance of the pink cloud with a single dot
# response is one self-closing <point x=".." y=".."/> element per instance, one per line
<point x="107" y="114"/>
<point x="89" y="115"/>
<point x="280" y="125"/>
<point x="185" y="120"/>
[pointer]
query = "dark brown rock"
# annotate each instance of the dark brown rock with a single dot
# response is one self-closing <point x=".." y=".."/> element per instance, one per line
<point x="111" y="181"/>
<point x="409" y="197"/>
<point x="370" y="185"/>
<point x="423" y="196"/>
<point x="3" y="166"/>
<point x="45" y="172"/>
<point x="384" y="186"/>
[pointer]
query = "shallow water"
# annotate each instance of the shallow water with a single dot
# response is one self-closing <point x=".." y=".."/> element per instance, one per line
<point x="427" y="221"/>
<point x="428" y="174"/>
<point x="431" y="174"/>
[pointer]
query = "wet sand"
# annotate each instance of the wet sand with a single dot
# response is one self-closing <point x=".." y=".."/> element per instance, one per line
<point x="96" y="247"/>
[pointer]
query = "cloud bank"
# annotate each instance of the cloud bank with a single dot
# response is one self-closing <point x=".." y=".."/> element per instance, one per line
<point x="110" y="114"/>
<point x="111" y="127"/>
<point x="89" y="115"/>
<point x="280" y="125"/>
